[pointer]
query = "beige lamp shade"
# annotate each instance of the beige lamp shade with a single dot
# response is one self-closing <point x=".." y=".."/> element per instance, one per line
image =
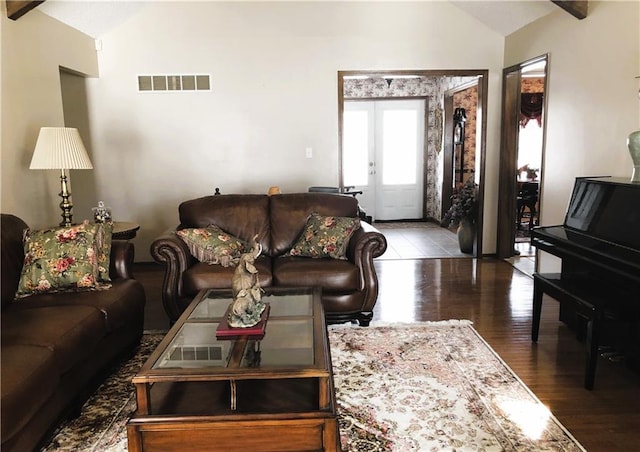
<point x="60" y="148"/>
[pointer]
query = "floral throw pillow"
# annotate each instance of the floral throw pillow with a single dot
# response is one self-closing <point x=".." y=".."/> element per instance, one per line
<point x="60" y="259"/>
<point x="325" y="236"/>
<point x="212" y="245"/>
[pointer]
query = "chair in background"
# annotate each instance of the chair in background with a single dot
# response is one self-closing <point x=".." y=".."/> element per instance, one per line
<point x="324" y="189"/>
<point x="347" y="191"/>
<point x="527" y="199"/>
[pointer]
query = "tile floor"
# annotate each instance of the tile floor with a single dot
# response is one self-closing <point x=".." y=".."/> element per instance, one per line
<point x="425" y="240"/>
<point x="419" y="240"/>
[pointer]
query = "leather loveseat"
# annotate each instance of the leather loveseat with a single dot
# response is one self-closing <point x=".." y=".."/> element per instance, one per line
<point x="349" y="287"/>
<point x="56" y="347"/>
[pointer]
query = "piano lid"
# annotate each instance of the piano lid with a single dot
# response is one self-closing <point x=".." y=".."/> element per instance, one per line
<point x="606" y="208"/>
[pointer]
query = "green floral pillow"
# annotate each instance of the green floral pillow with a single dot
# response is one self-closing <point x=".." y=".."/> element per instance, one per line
<point x="325" y="237"/>
<point x="212" y="245"/>
<point x="60" y="259"/>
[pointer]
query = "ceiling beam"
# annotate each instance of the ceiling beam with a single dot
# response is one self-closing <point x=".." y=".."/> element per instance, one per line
<point x="577" y="8"/>
<point x="18" y="8"/>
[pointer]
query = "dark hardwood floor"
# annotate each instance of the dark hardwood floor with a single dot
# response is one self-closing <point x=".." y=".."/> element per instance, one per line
<point x="497" y="298"/>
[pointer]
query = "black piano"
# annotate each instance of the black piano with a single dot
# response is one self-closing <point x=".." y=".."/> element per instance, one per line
<point x="599" y="282"/>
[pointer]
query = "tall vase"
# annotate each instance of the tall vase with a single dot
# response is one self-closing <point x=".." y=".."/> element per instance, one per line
<point x="466" y="236"/>
<point x="633" y="143"/>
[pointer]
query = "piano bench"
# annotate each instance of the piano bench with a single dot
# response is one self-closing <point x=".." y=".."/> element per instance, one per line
<point x="591" y="301"/>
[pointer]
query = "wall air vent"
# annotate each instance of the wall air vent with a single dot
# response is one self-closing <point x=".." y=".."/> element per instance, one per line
<point x="166" y="83"/>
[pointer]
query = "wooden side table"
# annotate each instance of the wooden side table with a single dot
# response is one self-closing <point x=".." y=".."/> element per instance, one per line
<point x="124" y="230"/>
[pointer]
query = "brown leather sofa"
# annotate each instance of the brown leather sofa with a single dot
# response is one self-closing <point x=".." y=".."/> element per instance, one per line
<point x="349" y="287"/>
<point x="57" y="346"/>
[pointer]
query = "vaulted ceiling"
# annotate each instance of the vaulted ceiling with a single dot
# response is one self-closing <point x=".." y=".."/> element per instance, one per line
<point x="95" y="18"/>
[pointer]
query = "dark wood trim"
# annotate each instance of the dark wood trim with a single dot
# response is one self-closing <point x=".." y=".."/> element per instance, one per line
<point x="481" y="119"/>
<point x="507" y="185"/>
<point x="417" y="72"/>
<point x="577" y="8"/>
<point x="18" y="8"/>
<point x="508" y="157"/>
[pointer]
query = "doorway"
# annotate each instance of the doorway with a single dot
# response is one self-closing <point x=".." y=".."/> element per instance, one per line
<point x="461" y="137"/>
<point x="521" y="155"/>
<point x="383" y="152"/>
<point x="430" y="85"/>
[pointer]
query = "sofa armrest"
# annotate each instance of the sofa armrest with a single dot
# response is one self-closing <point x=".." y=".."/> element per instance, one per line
<point x="170" y="250"/>
<point x="121" y="263"/>
<point x="366" y="244"/>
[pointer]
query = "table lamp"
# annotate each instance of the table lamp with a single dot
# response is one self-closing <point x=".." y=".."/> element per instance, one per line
<point x="61" y="148"/>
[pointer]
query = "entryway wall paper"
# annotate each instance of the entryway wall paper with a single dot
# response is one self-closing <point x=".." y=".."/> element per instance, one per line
<point x="433" y="88"/>
<point x="468" y="99"/>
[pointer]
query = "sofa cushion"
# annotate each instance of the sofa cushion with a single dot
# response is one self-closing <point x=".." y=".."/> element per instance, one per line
<point x="29" y="378"/>
<point x="289" y="213"/>
<point x="325" y="236"/>
<point x="333" y="275"/>
<point x="212" y="245"/>
<point x="202" y="276"/>
<point x="115" y="304"/>
<point x="59" y="259"/>
<point x="70" y="331"/>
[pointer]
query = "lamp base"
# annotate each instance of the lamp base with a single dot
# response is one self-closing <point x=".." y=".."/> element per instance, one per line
<point x="65" y="204"/>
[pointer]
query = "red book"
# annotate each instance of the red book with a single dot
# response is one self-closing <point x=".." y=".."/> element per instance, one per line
<point x="256" y="331"/>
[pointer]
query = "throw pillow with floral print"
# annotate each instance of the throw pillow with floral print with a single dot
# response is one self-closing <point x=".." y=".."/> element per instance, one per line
<point x="325" y="236"/>
<point x="212" y="245"/>
<point x="59" y="259"/>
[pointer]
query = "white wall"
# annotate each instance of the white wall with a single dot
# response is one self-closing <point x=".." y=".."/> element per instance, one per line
<point x="33" y="49"/>
<point x="592" y="100"/>
<point x="274" y="76"/>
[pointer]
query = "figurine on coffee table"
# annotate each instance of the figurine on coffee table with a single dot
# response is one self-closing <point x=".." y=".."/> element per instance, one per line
<point x="247" y="305"/>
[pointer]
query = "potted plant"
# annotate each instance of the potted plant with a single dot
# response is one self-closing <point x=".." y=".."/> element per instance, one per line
<point x="463" y="213"/>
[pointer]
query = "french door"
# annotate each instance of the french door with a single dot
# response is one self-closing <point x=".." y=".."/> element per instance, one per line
<point x="383" y="155"/>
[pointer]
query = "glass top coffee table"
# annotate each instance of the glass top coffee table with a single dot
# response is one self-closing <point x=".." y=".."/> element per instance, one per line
<point x="200" y="392"/>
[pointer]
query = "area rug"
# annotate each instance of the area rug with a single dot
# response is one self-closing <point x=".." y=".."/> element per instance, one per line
<point x="435" y="386"/>
<point x="430" y="386"/>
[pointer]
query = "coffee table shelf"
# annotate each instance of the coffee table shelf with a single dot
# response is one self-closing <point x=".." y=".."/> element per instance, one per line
<point x="262" y="387"/>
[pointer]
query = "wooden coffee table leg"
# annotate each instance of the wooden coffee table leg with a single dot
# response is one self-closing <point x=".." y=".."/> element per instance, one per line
<point x="325" y="396"/>
<point x="143" y="399"/>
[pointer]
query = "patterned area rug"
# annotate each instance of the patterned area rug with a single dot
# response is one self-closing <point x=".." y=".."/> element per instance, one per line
<point x="429" y="386"/>
<point x="435" y="386"/>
